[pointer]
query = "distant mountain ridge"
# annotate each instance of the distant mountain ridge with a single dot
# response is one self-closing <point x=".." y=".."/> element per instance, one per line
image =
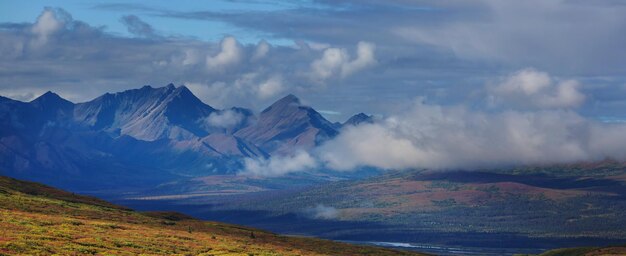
<point x="287" y="124"/>
<point x="147" y="113"/>
<point x="147" y="133"/>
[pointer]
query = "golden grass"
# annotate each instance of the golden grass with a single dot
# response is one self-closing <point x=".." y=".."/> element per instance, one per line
<point x="40" y="220"/>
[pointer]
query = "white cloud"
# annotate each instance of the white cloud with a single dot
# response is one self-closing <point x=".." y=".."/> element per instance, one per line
<point x="530" y="88"/>
<point x="279" y="165"/>
<point x="369" y="145"/>
<point x="247" y="88"/>
<point x="231" y="53"/>
<point x="262" y="48"/>
<point x="336" y="61"/>
<point x="223" y="74"/>
<point x="331" y="61"/>
<point x="190" y="57"/>
<point x="224" y="119"/>
<point x="47" y="24"/>
<point x="546" y="34"/>
<point x="323" y="212"/>
<point x="317" y="46"/>
<point x="271" y="87"/>
<point x="365" y="58"/>
<point x="438" y="137"/>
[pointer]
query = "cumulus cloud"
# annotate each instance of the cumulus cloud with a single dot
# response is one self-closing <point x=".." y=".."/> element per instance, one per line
<point x="330" y="63"/>
<point x="76" y="59"/>
<point x="230" y="54"/>
<point x="369" y="145"/>
<point x="271" y="87"/>
<point x="262" y="48"/>
<point x="323" y="212"/>
<point x="443" y="137"/>
<point x="224" y="119"/>
<point x="50" y="21"/>
<point x="279" y="165"/>
<point x="336" y="61"/>
<point x="364" y="58"/>
<point x="541" y="128"/>
<point x="530" y="88"/>
<point x="137" y="27"/>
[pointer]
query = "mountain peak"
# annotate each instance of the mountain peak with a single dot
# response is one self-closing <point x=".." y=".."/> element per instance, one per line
<point x="291" y="98"/>
<point x="284" y="103"/>
<point x="287" y="124"/>
<point x="181" y="89"/>
<point x="50" y="98"/>
<point x="358" y="119"/>
<point x="48" y="95"/>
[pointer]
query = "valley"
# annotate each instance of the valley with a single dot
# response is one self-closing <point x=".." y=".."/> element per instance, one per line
<point x="313" y="127"/>
<point x="40" y="220"/>
<point x="161" y="149"/>
<point x="508" y="209"/>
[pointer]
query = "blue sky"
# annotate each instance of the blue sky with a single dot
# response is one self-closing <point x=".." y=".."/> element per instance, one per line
<point x="92" y="13"/>
<point x="342" y="57"/>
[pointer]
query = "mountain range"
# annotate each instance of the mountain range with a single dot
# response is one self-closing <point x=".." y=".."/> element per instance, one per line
<point x="147" y="135"/>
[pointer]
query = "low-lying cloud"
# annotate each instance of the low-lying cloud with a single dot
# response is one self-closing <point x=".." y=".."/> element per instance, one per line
<point x="224" y="119"/>
<point x="279" y="165"/>
<point x="460" y="137"/>
<point x="438" y="137"/>
<point x="536" y="124"/>
<point x="323" y="212"/>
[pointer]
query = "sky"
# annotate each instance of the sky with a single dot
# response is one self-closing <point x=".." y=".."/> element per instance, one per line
<point x="341" y="57"/>
<point x="452" y="84"/>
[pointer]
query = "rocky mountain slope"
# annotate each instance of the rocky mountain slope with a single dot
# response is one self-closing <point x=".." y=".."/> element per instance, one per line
<point x="153" y="134"/>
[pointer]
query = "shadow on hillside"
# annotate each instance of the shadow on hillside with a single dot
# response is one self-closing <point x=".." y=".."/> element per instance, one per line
<point x="297" y="224"/>
<point x="536" y="180"/>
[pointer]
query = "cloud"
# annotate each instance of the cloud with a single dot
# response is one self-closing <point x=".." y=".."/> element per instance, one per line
<point x="81" y="62"/>
<point x="541" y="128"/>
<point x="462" y="46"/>
<point x="279" y="165"/>
<point x="224" y="119"/>
<point x="444" y="137"/>
<point x="365" y="58"/>
<point x="271" y="87"/>
<point x="323" y="212"/>
<point x="137" y="27"/>
<point x="336" y="61"/>
<point x="546" y="34"/>
<point x="530" y="88"/>
<point x="246" y="88"/>
<point x="262" y="48"/>
<point x="569" y="37"/>
<point x="329" y="112"/>
<point x="369" y="145"/>
<point x="50" y="21"/>
<point x="231" y="53"/>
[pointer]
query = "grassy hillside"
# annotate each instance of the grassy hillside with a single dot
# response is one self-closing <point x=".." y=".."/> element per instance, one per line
<point x="586" y="251"/>
<point x="40" y="220"/>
